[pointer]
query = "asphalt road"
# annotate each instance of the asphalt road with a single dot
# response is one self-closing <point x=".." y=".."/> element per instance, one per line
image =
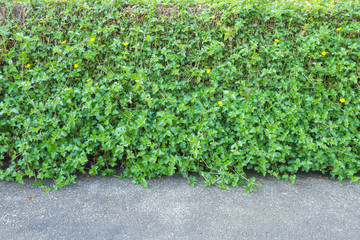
<point x="315" y="207"/>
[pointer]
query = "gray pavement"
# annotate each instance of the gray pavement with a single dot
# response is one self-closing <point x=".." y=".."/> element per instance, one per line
<point x="315" y="207"/>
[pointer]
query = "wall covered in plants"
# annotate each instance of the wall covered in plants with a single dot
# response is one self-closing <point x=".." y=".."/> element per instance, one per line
<point x="155" y="89"/>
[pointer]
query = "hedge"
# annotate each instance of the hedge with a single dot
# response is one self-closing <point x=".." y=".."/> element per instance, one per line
<point x="159" y="88"/>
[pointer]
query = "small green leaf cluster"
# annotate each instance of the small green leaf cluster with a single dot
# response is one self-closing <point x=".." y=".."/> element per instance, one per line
<point x="212" y="87"/>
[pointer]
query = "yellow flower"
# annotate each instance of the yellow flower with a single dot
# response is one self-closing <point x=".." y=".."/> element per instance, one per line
<point x="92" y="39"/>
<point x="63" y="42"/>
<point x="125" y="44"/>
<point x="276" y="40"/>
<point x="28" y="66"/>
<point x="75" y="65"/>
<point x="208" y="71"/>
<point x="136" y="47"/>
<point x="338" y="29"/>
<point x="342" y="100"/>
<point x="219" y="102"/>
<point x="88" y="80"/>
<point x="323" y="53"/>
<point x="306" y="24"/>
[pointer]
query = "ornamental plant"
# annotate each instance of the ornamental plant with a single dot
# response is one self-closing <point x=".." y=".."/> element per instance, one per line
<point x="211" y="87"/>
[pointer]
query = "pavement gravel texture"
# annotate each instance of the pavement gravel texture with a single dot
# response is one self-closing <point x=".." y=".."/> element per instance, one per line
<point x="315" y="207"/>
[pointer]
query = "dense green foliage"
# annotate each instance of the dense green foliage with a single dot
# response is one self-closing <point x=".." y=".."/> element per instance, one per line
<point x="184" y="87"/>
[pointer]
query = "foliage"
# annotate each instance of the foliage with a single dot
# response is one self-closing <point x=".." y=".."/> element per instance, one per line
<point x="179" y="87"/>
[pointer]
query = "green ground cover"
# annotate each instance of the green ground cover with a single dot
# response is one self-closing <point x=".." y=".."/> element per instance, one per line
<point x="158" y="88"/>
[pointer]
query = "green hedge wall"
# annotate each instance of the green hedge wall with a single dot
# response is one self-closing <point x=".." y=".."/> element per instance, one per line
<point x="155" y="89"/>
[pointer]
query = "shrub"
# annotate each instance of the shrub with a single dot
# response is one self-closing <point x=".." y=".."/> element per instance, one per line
<point x="158" y="89"/>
